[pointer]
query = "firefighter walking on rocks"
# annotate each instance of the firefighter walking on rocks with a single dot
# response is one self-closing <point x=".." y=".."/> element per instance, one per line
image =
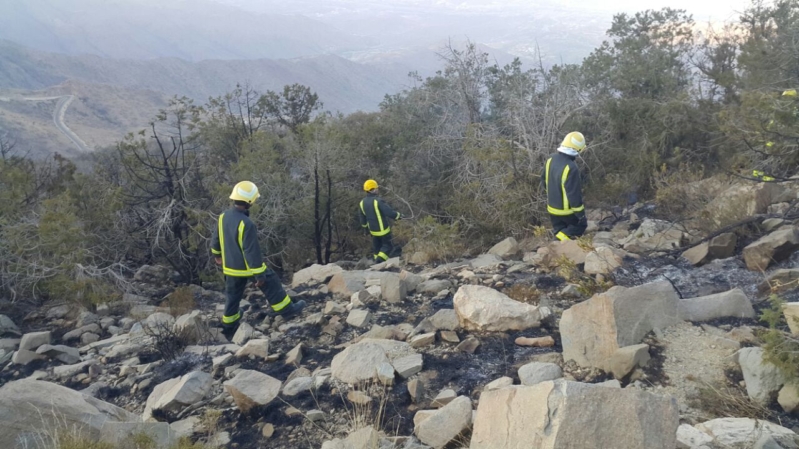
<point x="235" y="248"/>
<point x="563" y="185"/>
<point x="376" y="216"/>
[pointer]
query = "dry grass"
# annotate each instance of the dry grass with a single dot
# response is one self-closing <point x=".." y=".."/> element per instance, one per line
<point x="181" y="301"/>
<point x="373" y="413"/>
<point x="523" y="293"/>
<point x="728" y="402"/>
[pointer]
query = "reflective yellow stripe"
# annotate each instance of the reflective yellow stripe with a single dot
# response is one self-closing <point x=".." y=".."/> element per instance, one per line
<point x="231" y="319"/>
<point x="222" y="241"/>
<point x="381" y="233"/>
<point x="237" y="273"/>
<point x="215" y="252"/>
<point x="282" y="304"/>
<point x="382" y="255"/>
<point x="561" y="236"/>
<point x="379" y="219"/>
<point x="563" y="178"/>
<point x="546" y="176"/>
<point x="563" y="213"/>
<point x="362" y="211"/>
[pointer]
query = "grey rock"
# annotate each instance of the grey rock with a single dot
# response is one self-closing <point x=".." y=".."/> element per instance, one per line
<point x="31" y="341"/>
<point x="762" y="378"/>
<point x="733" y="303"/>
<point x="409" y="365"/>
<point x="252" y="389"/>
<point x="536" y="372"/>
<point x="62" y="353"/>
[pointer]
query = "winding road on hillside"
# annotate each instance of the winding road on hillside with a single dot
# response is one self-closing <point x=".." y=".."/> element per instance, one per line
<point x="58" y="118"/>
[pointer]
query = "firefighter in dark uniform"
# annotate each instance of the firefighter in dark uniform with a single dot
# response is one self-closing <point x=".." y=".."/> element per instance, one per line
<point x="561" y="179"/>
<point x="235" y="247"/>
<point x="376" y="216"/>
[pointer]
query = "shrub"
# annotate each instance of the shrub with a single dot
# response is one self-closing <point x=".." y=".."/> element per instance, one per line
<point x="523" y="293"/>
<point x="181" y="301"/>
<point x="781" y="349"/>
<point x="441" y="241"/>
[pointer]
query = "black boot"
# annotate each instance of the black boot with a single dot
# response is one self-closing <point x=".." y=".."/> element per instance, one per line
<point x="229" y="330"/>
<point x="292" y="310"/>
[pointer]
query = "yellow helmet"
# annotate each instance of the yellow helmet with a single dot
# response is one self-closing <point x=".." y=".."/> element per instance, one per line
<point x="574" y="140"/>
<point x="369" y="185"/>
<point x="789" y="93"/>
<point x="245" y="191"/>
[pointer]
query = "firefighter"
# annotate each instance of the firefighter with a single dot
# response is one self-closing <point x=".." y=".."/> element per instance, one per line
<point x="236" y="249"/>
<point x="376" y="217"/>
<point x="562" y="182"/>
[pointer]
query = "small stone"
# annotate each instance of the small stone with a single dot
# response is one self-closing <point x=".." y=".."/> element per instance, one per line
<point x="359" y="318"/>
<point x="294" y="357"/>
<point x="298" y="385"/>
<point x="571" y="291"/>
<point x="244" y="333"/>
<point x="315" y="415"/>
<point x="358" y="397"/>
<point x="256" y="348"/>
<point x="268" y="430"/>
<point x="469" y="345"/>
<point x="539" y="342"/>
<point x="537" y="372"/>
<point x="31" y="341"/>
<point x="385" y="374"/>
<point x="423" y="340"/>
<point x="449" y="336"/>
<point x="444" y="398"/>
<point x="502" y="382"/>
<point x="334" y="308"/>
<point x="408" y="366"/>
<point x="788" y="398"/>
<point x="416" y="389"/>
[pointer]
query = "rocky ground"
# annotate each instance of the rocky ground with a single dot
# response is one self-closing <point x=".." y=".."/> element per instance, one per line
<point x="616" y="340"/>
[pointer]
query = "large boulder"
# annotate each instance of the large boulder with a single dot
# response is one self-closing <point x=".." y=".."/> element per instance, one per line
<point x="446" y="423"/>
<point x="565" y="415"/>
<point x="733" y="303"/>
<point x="485" y="309"/>
<point x="763" y="380"/>
<point x="743" y="433"/>
<point x="28" y="406"/>
<point x="506" y="249"/>
<point x="175" y="394"/>
<point x="774" y="247"/>
<point x="315" y="274"/>
<point x="592" y="331"/>
<point x="252" y="389"/>
<point x="743" y="200"/>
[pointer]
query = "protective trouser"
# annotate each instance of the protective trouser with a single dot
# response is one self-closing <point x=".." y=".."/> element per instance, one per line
<point x="567" y="227"/>
<point x="234" y="288"/>
<point x="382" y="247"/>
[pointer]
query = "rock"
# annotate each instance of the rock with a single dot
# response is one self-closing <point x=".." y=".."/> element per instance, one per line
<point x="315" y="416"/>
<point x="733" y="303"/>
<point x="358" y="362"/>
<point x="28" y="406"/>
<point x="385" y="374"/>
<point x="334" y="308"/>
<point x="62" y="353"/>
<point x="31" y="341"/>
<point x="443" y="398"/>
<point x="192" y="326"/>
<point x="408" y="366"/>
<point x="185" y="428"/>
<point x="252" y="389"/>
<point x="603" y="260"/>
<point x="298" y="385"/>
<point x="89" y="338"/>
<point x="177" y="393"/>
<point x="294" y="357"/>
<point x="774" y="247"/>
<point x="416" y="390"/>
<point x="779" y="280"/>
<point x="791" y="312"/>
<point x="67" y="371"/>
<point x="315" y="274"/>
<point x="698" y="255"/>
<point x="535" y="372"/>
<point x="445" y="424"/>
<point x="767" y="442"/>
<point x="743" y="433"/>
<point x="344" y="284"/>
<point x="496" y="384"/>
<point x="571" y="291"/>
<point x="117" y="433"/>
<point x="788" y="398"/>
<point x="449" y="337"/>
<point x="256" y="348"/>
<point x="420" y="258"/>
<point x="445" y="319"/>
<point x="689" y="437"/>
<point x="219" y="439"/>
<point x="484" y="309"/>
<point x="654" y="235"/>
<point x="592" y="331"/>
<point x="268" y="430"/>
<point x="469" y="345"/>
<point x="506" y="249"/>
<point x="626" y="359"/>
<point x="485" y="261"/>
<point x="359" y="318"/>
<point x="243" y="334"/>
<point x="55" y="313"/>
<point x="569" y="249"/>
<point x="722" y="246"/>
<point x="24" y="357"/>
<point x="358" y="397"/>
<point x="539" y="342"/>
<point x="9" y="344"/>
<point x="153" y="274"/>
<point x="433" y="286"/>
<point x="762" y="378"/>
<point x="86" y="318"/>
<point x="393" y="289"/>
<point x="423" y="340"/>
<point x="564" y="415"/>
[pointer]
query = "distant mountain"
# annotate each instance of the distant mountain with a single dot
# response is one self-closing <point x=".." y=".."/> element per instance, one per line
<point x="142" y="29"/>
<point x="342" y="85"/>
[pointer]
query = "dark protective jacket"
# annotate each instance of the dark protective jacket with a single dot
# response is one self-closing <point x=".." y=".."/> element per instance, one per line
<point x="377" y="215"/>
<point x="236" y="241"/>
<point x="563" y="184"/>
